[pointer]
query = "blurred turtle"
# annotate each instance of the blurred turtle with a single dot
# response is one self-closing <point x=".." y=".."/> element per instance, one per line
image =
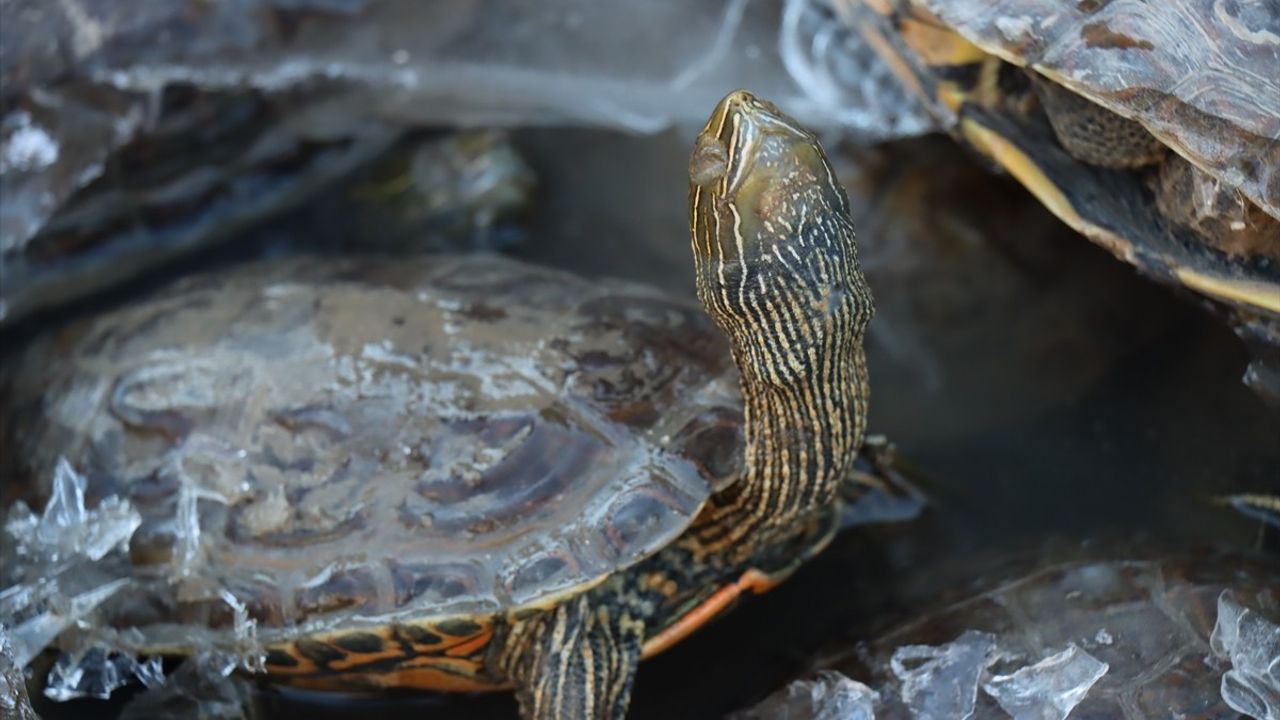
<point x="469" y="473"/>
<point x="1265" y="508"/>
<point x="1152" y="129"/>
<point x="207" y="166"/>
<point x="258" y="175"/>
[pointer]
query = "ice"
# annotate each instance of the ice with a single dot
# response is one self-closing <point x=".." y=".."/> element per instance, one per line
<point x="205" y="685"/>
<point x="89" y="220"/>
<point x="14" y="702"/>
<point x="28" y="146"/>
<point x="941" y="682"/>
<point x="50" y="613"/>
<point x="829" y="695"/>
<point x="55" y="145"/>
<point x="249" y="654"/>
<point x="60" y="566"/>
<point x="1251" y="643"/>
<point x="187" y="551"/>
<point x="97" y="671"/>
<point x="328" y="94"/>
<point x="1049" y="689"/>
<point x="201" y="688"/>
<point x="489" y="62"/>
<point x="66" y="529"/>
<point x="465" y="62"/>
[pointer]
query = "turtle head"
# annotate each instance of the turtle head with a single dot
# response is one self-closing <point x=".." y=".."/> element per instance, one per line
<point x="773" y="243"/>
<point x="778" y="271"/>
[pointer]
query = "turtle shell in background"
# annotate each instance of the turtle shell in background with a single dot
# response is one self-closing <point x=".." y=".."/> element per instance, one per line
<point x="345" y="442"/>
<point x="1192" y="86"/>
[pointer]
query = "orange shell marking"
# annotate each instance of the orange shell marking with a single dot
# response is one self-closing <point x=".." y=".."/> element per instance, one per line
<point x="427" y="656"/>
<point x="752" y="580"/>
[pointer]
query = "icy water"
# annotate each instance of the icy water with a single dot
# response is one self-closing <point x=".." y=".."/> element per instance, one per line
<point x="1046" y="393"/>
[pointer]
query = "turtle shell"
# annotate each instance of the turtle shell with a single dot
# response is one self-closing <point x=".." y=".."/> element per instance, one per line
<point x="1202" y="76"/>
<point x="343" y="442"/>
<point x="1149" y="619"/>
<point x="1199" y="77"/>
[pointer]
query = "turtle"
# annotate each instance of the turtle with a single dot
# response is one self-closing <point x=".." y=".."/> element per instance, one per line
<point x="466" y="472"/>
<point x="1152" y="129"/>
<point x="1128" y="632"/>
<point x="207" y="166"/>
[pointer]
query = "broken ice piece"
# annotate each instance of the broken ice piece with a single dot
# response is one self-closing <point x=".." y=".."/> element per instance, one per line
<point x="249" y="653"/>
<point x="1252" y="643"/>
<point x="201" y="687"/>
<point x="36" y="633"/>
<point x="14" y="702"/>
<point x="1049" y="689"/>
<point x="97" y="672"/>
<point x="65" y="528"/>
<point x="59" y="566"/>
<point x="829" y="695"/>
<point x="945" y="685"/>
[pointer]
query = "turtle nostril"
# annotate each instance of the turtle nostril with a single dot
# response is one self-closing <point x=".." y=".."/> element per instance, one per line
<point x="709" y="160"/>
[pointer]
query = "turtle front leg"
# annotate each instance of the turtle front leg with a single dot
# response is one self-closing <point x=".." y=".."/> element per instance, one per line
<point x="880" y="487"/>
<point x="575" y="662"/>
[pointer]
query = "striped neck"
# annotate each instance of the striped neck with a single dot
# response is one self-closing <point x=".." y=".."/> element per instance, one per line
<point x="801" y="442"/>
<point x="776" y="268"/>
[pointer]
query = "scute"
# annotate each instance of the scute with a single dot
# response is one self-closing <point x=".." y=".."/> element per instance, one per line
<point x="1203" y="76"/>
<point x="447" y="436"/>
